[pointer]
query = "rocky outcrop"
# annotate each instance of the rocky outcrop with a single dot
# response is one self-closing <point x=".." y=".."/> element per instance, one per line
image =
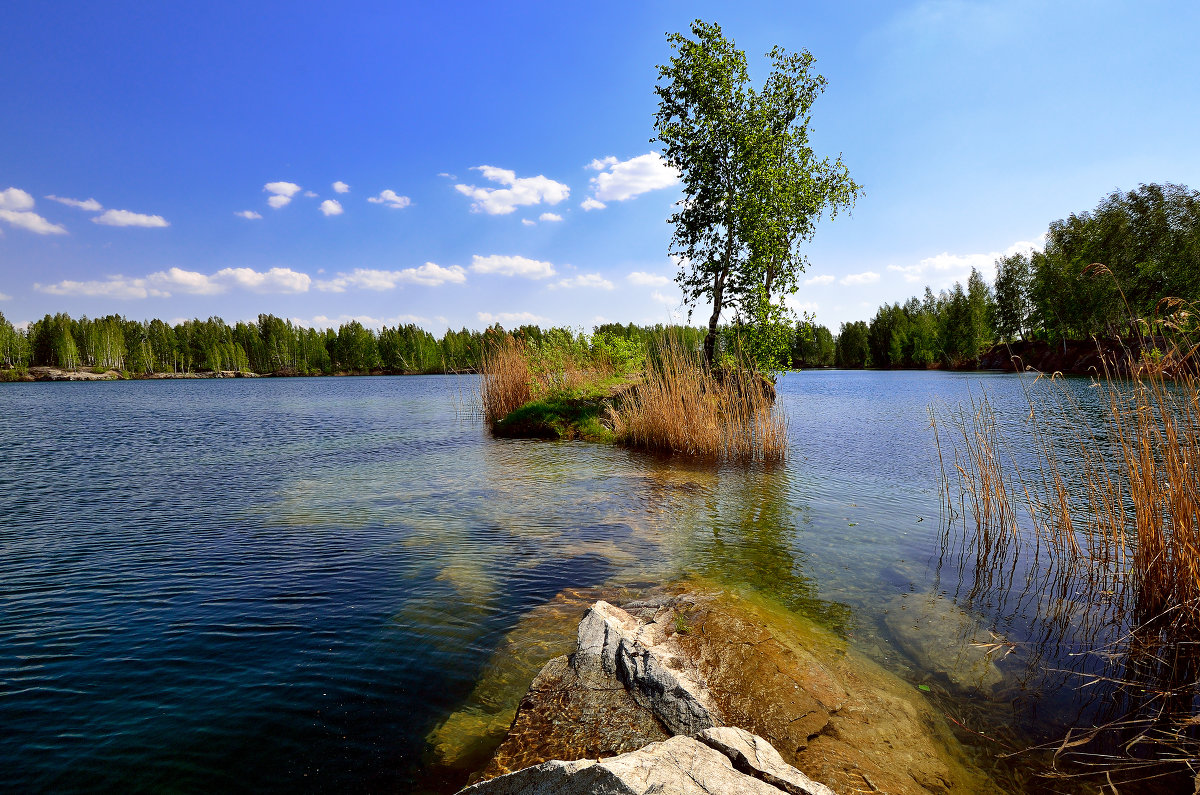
<point x="699" y="664"/>
<point x="754" y="756"/>
<point x="678" y="766"/>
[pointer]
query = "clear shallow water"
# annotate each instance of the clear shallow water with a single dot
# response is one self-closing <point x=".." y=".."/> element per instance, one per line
<point x="285" y="584"/>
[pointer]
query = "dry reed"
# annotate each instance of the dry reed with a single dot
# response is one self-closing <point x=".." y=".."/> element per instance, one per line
<point x="680" y="406"/>
<point x="1125" y="528"/>
<point x="506" y="381"/>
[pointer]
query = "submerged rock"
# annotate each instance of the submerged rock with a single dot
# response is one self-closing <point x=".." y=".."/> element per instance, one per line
<point x="696" y="664"/>
<point x="942" y="638"/>
<point x="678" y="766"/>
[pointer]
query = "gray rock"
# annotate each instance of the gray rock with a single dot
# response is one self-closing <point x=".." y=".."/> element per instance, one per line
<point x="754" y="756"/>
<point x="640" y="657"/>
<point x="943" y="638"/>
<point x="678" y="766"/>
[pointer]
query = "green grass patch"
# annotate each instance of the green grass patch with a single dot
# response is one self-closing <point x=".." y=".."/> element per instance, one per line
<point x="558" y="417"/>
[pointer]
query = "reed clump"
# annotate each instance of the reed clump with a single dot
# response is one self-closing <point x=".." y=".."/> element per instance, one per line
<point x="681" y="406"/>
<point x="506" y="382"/>
<point x="1113" y="513"/>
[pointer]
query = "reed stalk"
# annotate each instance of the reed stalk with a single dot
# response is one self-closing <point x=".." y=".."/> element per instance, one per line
<point x="680" y="406"/>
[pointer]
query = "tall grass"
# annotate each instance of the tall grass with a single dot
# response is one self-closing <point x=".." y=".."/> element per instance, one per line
<point x="681" y="406"/>
<point x="1111" y="511"/>
<point x="506" y="382"/>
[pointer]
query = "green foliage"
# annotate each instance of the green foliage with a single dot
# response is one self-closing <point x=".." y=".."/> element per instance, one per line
<point x="753" y="188"/>
<point x="853" y="350"/>
<point x="813" y="346"/>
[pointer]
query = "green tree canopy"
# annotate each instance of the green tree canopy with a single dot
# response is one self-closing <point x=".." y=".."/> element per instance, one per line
<point x="753" y="187"/>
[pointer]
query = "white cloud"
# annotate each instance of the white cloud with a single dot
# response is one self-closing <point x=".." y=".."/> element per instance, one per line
<point x="15" y="199"/>
<point x="520" y="191"/>
<point x="593" y="280"/>
<point x="91" y="205"/>
<point x="181" y="281"/>
<point x="391" y="199"/>
<point x="248" y="214"/>
<point x="163" y="284"/>
<point x="310" y="194"/>
<point x="855" y="279"/>
<point x="332" y="207"/>
<point x="113" y="287"/>
<point x="341" y="187"/>
<point x="4" y="297"/>
<point x="800" y="306"/>
<point x="944" y="269"/>
<point x="511" y="318"/>
<point x="429" y="275"/>
<point x="15" y="206"/>
<point x="527" y="222"/>
<point x="824" y="278"/>
<point x="31" y="222"/>
<point x="512" y="266"/>
<point x="620" y="180"/>
<point x="275" y="280"/>
<point x="643" y="279"/>
<point x="127" y="218"/>
<point x="591" y="204"/>
<point x="324" y="322"/>
<point x="664" y="299"/>
<point x="549" y="217"/>
<point x="281" y="193"/>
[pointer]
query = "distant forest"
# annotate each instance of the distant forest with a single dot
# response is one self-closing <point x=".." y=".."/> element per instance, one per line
<point x="1147" y="240"/>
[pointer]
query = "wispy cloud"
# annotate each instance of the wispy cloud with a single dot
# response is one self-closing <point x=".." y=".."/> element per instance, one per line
<point x="429" y="275"/>
<point x="590" y="204"/>
<point x="16" y="208"/>
<point x="511" y="318"/>
<point x="391" y="199"/>
<point x="248" y="214"/>
<point x="32" y="222"/>
<point x="90" y="205"/>
<point x="520" y="191"/>
<point x="588" y="280"/>
<point x="502" y="265"/>
<point x="824" y="278"/>
<point x="944" y="269"/>
<point x="643" y="279"/>
<point x="281" y="193"/>
<point x="127" y="218"/>
<point x="324" y="321"/>
<point x="858" y="279"/>
<point x="163" y="284"/>
<point x="620" y="180"/>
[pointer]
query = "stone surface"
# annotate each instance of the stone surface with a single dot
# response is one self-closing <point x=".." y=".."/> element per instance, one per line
<point x="749" y="663"/>
<point x="754" y="756"/>
<point x="642" y="658"/>
<point x="678" y="766"/>
<point x="942" y="638"/>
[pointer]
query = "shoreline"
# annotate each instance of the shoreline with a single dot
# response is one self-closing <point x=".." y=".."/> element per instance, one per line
<point x="44" y="374"/>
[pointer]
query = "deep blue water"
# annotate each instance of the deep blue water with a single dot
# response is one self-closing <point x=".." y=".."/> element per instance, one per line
<point x="285" y="584"/>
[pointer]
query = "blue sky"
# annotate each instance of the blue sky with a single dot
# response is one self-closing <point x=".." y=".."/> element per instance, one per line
<point x="399" y="162"/>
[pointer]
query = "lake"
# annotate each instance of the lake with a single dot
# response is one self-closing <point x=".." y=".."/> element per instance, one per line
<point x="286" y="584"/>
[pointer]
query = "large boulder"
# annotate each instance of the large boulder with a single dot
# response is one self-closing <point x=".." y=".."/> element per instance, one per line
<point x="677" y="766"/>
<point x="689" y="663"/>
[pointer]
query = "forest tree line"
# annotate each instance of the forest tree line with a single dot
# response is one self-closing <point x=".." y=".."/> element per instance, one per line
<point x="273" y="345"/>
<point x="1147" y="240"/>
